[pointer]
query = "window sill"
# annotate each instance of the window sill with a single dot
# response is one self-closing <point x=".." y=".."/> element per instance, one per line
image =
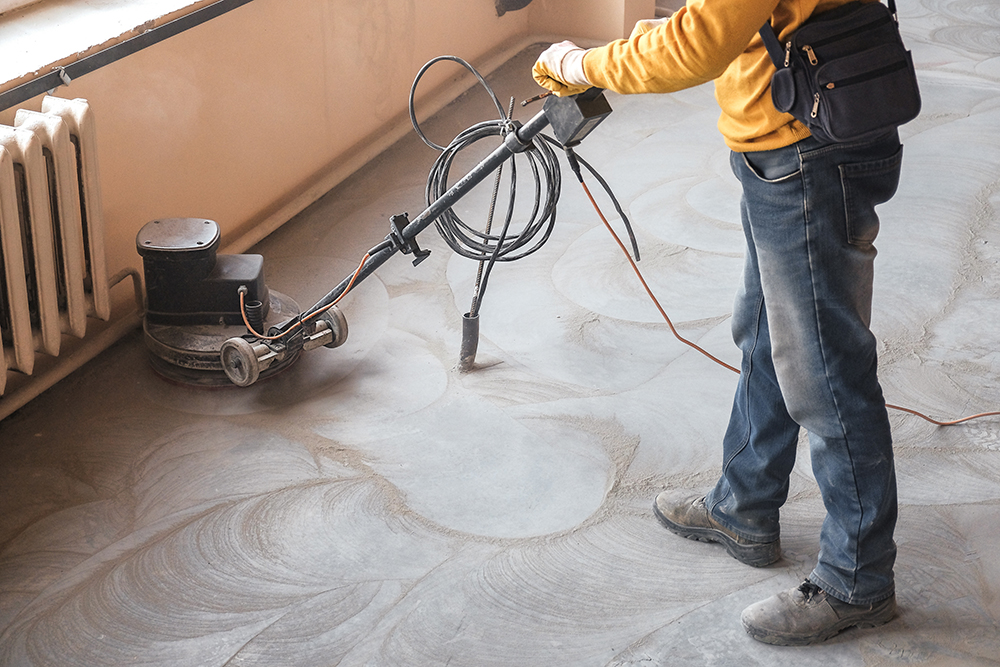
<point x="44" y="36"/>
<point x="11" y="5"/>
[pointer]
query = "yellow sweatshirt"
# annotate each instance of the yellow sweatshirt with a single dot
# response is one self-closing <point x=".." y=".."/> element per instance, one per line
<point x="712" y="40"/>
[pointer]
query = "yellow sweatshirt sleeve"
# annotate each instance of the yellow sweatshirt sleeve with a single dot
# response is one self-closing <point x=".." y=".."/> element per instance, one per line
<point x="712" y="40"/>
<point x="695" y="46"/>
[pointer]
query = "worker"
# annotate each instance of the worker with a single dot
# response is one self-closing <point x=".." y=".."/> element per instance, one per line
<point x="801" y="317"/>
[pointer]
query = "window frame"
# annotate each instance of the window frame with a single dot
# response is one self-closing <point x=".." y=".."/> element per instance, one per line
<point x="7" y="6"/>
<point x="56" y="42"/>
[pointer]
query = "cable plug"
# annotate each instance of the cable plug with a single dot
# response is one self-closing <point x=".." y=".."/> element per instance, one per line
<point x="574" y="164"/>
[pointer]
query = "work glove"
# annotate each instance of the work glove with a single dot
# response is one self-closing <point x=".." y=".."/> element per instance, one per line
<point x="646" y="25"/>
<point x="560" y="69"/>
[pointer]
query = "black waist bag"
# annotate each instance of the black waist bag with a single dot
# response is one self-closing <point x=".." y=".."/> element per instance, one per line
<point x="845" y="73"/>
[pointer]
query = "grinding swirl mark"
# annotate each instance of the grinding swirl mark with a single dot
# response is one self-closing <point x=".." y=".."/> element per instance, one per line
<point x="563" y="600"/>
<point x="199" y="591"/>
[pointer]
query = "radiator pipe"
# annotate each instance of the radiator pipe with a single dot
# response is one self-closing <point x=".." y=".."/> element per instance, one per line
<point x="82" y="351"/>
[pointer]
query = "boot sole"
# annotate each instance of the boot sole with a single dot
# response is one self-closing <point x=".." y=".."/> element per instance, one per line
<point x="784" y="639"/>
<point x="754" y="555"/>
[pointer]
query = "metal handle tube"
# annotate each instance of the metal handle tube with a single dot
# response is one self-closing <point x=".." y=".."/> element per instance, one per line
<point x="489" y="164"/>
<point x="375" y="260"/>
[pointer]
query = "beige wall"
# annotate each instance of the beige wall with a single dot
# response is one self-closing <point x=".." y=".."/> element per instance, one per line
<point x="250" y="117"/>
<point x="599" y="20"/>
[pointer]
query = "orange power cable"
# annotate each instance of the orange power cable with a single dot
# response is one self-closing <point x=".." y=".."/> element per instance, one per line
<point x="722" y="363"/>
<point x="246" y="320"/>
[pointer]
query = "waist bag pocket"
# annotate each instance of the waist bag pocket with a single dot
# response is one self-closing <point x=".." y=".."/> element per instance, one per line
<point x="866" y="93"/>
<point x="783" y="90"/>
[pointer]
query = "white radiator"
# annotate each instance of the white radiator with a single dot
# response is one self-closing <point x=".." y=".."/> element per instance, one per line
<point x="53" y="274"/>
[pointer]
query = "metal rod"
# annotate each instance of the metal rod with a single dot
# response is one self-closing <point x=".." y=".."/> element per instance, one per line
<point x="54" y="79"/>
<point x="474" y="309"/>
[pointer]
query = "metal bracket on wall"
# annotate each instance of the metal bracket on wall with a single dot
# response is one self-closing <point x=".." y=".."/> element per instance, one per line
<point x="60" y="75"/>
<point x="504" y="6"/>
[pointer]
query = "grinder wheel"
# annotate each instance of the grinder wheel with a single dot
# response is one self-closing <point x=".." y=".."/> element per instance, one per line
<point x="240" y="363"/>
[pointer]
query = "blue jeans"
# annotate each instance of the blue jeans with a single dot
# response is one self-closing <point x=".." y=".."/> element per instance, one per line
<point x="802" y="321"/>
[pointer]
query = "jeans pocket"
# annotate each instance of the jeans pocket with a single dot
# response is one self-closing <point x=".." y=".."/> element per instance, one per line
<point x="865" y="185"/>
<point x="773" y="166"/>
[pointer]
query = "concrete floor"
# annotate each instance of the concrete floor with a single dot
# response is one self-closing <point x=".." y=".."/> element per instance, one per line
<point x="374" y="506"/>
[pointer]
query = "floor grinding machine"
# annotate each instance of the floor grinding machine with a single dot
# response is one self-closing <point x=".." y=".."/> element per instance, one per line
<point x="211" y="319"/>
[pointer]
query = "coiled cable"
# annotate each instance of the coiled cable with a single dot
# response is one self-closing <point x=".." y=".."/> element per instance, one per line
<point x="505" y="246"/>
<point x="546" y="176"/>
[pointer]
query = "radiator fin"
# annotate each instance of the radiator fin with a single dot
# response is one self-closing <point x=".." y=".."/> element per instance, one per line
<point x="83" y="134"/>
<point x="53" y="273"/>
<point x="59" y="158"/>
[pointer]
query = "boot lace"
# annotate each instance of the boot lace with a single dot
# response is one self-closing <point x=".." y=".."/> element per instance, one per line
<point x="809" y="590"/>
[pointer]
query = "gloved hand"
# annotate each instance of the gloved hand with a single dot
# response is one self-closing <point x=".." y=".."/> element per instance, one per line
<point x="560" y="69"/>
<point x="645" y="25"/>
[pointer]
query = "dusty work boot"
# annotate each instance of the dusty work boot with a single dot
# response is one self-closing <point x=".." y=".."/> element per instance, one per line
<point x="688" y="516"/>
<point x="807" y="615"/>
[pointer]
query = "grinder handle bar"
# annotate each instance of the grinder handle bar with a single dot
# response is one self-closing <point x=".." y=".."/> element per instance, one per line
<point x="571" y="119"/>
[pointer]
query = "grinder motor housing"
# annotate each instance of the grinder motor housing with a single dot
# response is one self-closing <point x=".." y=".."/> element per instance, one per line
<point x="187" y="283"/>
<point x="204" y="311"/>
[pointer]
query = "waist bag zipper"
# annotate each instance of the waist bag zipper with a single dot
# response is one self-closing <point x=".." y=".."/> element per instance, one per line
<point x="810" y="48"/>
<point x="888" y="69"/>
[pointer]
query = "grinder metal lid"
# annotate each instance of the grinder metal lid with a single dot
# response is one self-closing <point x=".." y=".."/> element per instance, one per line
<point x="178" y="235"/>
